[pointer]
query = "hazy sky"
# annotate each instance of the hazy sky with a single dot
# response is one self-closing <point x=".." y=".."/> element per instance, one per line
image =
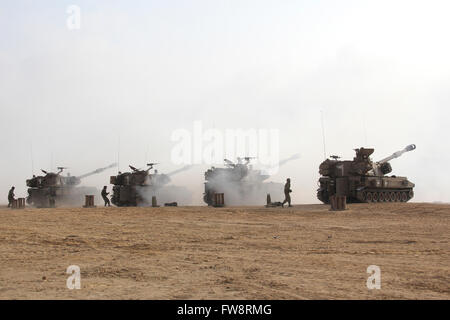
<point x="136" y="71"/>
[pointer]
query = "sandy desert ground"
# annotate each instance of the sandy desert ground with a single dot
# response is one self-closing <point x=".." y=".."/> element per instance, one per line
<point x="304" y="252"/>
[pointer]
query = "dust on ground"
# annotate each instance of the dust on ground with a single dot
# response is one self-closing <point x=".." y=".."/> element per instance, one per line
<point x="304" y="252"/>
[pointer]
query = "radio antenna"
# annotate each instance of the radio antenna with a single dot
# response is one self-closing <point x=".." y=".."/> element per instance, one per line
<point x="364" y="128"/>
<point x="51" y="161"/>
<point x="118" y="155"/>
<point x="323" y="136"/>
<point x="31" y="155"/>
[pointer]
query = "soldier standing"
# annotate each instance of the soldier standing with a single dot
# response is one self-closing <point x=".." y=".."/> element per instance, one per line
<point x="105" y="197"/>
<point x="287" y="190"/>
<point x="10" y="196"/>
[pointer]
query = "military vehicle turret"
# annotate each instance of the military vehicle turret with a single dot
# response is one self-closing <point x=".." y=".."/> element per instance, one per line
<point x="137" y="187"/>
<point x="54" y="189"/>
<point x="362" y="180"/>
<point x="241" y="184"/>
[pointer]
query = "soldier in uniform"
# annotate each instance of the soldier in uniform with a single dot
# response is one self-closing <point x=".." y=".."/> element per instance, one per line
<point x="105" y="197"/>
<point x="287" y="190"/>
<point x="10" y="196"/>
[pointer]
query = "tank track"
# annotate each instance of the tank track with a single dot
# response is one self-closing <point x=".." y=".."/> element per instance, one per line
<point x="374" y="195"/>
<point x="391" y="195"/>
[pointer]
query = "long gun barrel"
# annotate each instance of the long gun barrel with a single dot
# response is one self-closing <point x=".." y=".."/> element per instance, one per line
<point x="97" y="171"/>
<point x="397" y="154"/>
<point x="229" y="163"/>
<point x="186" y="167"/>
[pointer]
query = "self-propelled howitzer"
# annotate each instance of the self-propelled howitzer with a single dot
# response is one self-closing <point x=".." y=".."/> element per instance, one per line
<point x="362" y="180"/>
<point x="138" y="186"/>
<point x="54" y="189"/>
<point x="241" y="184"/>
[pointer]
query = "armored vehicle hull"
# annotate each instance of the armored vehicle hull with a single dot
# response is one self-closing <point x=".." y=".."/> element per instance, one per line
<point x="130" y="196"/>
<point x="141" y="196"/>
<point x="367" y="189"/>
<point x="243" y="193"/>
<point x="58" y="196"/>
